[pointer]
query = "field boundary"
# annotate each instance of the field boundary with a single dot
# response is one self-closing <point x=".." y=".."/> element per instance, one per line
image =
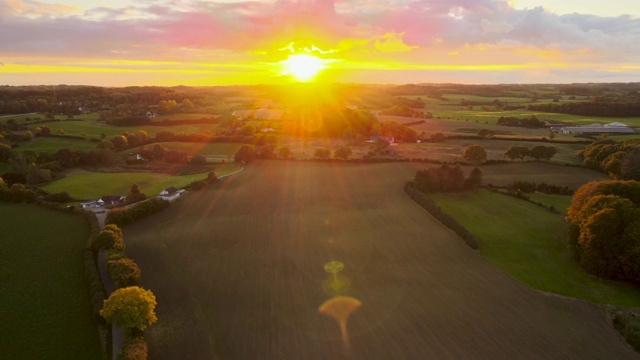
<point x="445" y="219"/>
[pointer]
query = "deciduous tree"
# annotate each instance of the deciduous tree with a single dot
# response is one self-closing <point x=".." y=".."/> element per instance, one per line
<point x="605" y="219"/>
<point x="245" y="154"/>
<point x="124" y="272"/>
<point x="474" y="180"/>
<point x="130" y="308"/>
<point x="475" y="154"/>
<point x="322" y="153"/>
<point x="284" y="152"/>
<point x="517" y="152"/>
<point x="342" y="153"/>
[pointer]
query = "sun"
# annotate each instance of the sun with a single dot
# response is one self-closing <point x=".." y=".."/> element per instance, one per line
<point x="302" y="67"/>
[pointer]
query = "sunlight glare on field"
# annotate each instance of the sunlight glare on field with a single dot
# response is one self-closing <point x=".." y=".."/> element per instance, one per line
<point x="302" y="67"/>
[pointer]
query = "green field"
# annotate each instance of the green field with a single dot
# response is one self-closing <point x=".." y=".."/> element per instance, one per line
<point x="560" y="202"/>
<point x="529" y="243"/>
<point x="94" y="129"/>
<point x="452" y="110"/>
<point x="238" y="270"/>
<point x="53" y="144"/>
<point x="198" y="148"/>
<point x="44" y="298"/>
<point x="90" y="185"/>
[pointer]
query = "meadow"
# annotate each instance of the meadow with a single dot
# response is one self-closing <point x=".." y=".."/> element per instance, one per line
<point x="44" y="299"/>
<point x="529" y="243"/>
<point x="193" y="149"/>
<point x="52" y="144"/>
<point x="487" y="114"/>
<point x="239" y="271"/>
<point x="94" y="129"/>
<point x="91" y="185"/>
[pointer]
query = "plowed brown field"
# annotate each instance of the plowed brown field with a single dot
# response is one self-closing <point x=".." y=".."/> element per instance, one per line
<point x="238" y="273"/>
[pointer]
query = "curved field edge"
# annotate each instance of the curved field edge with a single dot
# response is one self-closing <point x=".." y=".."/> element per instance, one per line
<point x="238" y="273"/>
<point x="44" y="303"/>
<point x="88" y="185"/>
<point x="529" y="243"/>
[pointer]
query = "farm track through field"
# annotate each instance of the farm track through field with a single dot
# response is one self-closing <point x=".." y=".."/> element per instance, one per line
<point x="238" y="273"/>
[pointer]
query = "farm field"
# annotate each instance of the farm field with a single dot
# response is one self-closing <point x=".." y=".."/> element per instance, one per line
<point x="559" y="202"/>
<point x="529" y="243"/>
<point x="44" y="298"/>
<point x="90" y="185"/>
<point x="52" y="144"/>
<point x="238" y="270"/>
<point x="453" y="110"/>
<point x="94" y="129"/>
<point x="193" y="149"/>
<point x="451" y="150"/>
<point x="573" y="177"/>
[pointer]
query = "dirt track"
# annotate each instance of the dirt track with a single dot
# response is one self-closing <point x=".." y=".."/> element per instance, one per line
<point x="243" y="263"/>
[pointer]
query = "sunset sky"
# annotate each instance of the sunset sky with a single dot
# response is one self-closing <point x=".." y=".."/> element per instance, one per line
<point x="224" y="42"/>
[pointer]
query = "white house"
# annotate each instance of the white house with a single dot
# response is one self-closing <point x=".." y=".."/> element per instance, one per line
<point x="170" y="193"/>
<point x="611" y="128"/>
<point x="106" y="200"/>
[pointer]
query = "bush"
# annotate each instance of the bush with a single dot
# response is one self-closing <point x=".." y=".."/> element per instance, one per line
<point x="199" y="160"/>
<point x="61" y="197"/>
<point x="139" y="211"/>
<point x="530" y="187"/>
<point x="124" y="272"/>
<point x="201" y="184"/>
<point x="109" y="238"/>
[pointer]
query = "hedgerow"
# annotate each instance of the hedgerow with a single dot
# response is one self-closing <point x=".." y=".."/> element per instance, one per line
<point x="421" y="199"/>
<point x="139" y="211"/>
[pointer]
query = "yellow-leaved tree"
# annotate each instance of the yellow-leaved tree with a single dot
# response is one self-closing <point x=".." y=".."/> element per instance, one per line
<point x="130" y="308"/>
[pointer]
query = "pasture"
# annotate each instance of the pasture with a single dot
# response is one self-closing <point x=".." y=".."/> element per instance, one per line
<point x="529" y="243"/>
<point x="240" y="271"/>
<point x="44" y="298"/>
<point x="91" y="185"/>
<point x="559" y="202"/>
<point x="52" y="144"/>
<point x="453" y="110"/>
<point x="94" y="129"/>
<point x="193" y="149"/>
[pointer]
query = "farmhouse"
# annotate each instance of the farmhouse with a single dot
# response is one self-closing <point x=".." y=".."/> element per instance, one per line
<point x="389" y="139"/>
<point x="611" y="128"/>
<point x="106" y="200"/>
<point x="170" y="193"/>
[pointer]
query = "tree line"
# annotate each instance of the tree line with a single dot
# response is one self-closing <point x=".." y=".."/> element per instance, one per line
<point x="129" y="306"/>
<point x="538" y="152"/>
<point x="446" y="179"/>
<point x="603" y="108"/>
<point x="605" y="229"/>
<point x="528" y="122"/>
<point x="620" y="160"/>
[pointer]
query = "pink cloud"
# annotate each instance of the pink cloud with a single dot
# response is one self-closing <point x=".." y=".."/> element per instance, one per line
<point x="158" y="29"/>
